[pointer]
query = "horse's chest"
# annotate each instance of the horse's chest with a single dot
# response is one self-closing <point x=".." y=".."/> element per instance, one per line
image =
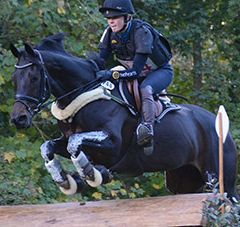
<point x="68" y="129"/>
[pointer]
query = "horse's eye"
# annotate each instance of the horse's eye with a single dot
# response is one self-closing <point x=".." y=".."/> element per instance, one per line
<point x="34" y="79"/>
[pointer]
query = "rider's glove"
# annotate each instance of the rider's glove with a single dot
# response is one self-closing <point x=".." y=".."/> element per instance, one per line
<point x="104" y="75"/>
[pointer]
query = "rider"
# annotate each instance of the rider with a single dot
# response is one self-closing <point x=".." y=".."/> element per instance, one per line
<point x="139" y="49"/>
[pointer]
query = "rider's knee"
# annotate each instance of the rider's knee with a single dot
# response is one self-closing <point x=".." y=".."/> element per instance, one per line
<point x="146" y="90"/>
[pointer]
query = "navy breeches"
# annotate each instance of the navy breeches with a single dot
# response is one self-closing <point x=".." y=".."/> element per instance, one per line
<point x="159" y="79"/>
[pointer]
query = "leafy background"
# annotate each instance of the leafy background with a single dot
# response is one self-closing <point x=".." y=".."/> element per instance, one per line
<point x="205" y="41"/>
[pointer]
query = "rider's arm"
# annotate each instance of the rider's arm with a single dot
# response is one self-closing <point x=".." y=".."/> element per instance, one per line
<point x="104" y="45"/>
<point x="138" y="63"/>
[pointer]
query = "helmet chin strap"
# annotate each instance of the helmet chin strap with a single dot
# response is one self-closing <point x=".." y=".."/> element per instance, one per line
<point x="127" y="18"/>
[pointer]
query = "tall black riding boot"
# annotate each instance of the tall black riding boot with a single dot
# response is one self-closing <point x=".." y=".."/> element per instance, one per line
<point x="145" y="129"/>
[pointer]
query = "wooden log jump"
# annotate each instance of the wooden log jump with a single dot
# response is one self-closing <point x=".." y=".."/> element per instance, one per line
<point x="176" y="210"/>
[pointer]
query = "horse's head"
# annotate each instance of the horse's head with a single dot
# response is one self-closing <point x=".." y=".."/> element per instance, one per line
<point x="31" y="85"/>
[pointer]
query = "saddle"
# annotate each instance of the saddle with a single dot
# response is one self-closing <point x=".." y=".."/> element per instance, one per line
<point x="163" y="104"/>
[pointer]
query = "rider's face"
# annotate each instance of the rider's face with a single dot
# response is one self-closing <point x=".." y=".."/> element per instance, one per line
<point x="116" y="23"/>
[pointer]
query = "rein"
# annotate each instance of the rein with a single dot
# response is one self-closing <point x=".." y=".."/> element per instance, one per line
<point x="41" y="102"/>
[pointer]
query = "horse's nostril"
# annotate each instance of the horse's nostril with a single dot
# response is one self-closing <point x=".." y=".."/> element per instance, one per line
<point x="22" y="118"/>
<point x="21" y="121"/>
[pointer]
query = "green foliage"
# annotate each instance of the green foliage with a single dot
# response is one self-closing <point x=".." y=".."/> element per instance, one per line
<point x="17" y="182"/>
<point x="149" y="184"/>
<point x="219" y="211"/>
<point x="205" y="41"/>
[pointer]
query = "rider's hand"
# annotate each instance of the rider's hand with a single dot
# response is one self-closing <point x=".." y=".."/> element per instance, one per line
<point x="104" y="75"/>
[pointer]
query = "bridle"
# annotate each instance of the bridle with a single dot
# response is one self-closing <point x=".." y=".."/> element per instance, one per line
<point x="44" y="92"/>
<point x="40" y="103"/>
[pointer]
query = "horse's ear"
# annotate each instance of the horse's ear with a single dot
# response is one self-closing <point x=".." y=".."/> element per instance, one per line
<point x="29" y="49"/>
<point x="14" y="51"/>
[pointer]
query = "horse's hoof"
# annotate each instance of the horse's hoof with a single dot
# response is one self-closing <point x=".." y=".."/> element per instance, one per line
<point x="80" y="182"/>
<point x="106" y="175"/>
<point x="72" y="186"/>
<point x="98" y="179"/>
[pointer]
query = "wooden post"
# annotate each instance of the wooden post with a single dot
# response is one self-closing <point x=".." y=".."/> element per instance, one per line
<point x="222" y="127"/>
<point x="221" y="176"/>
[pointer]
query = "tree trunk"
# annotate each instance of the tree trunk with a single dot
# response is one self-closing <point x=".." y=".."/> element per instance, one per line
<point x="197" y="65"/>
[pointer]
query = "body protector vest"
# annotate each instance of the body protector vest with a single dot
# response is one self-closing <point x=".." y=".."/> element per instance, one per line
<point x="139" y="37"/>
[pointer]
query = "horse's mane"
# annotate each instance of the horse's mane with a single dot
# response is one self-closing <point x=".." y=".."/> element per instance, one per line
<point x="93" y="56"/>
<point x="55" y="43"/>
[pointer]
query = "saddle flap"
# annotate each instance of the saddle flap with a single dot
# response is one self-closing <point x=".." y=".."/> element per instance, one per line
<point x="133" y="89"/>
<point x="162" y="103"/>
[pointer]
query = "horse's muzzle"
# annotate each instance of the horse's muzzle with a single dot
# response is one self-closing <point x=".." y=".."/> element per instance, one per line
<point x="21" y="121"/>
<point x="20" y="116"/>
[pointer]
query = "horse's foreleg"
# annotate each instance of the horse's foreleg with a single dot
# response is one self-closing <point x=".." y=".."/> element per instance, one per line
<point x="85" y="169"/>
<point x="53" y="165"/>
<point x="66" y="183"/>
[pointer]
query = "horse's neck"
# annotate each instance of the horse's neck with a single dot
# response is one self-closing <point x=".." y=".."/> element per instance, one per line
<point x="67" y="73"/>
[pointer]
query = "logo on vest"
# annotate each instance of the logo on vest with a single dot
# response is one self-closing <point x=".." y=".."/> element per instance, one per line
<point x="114" y="41"/>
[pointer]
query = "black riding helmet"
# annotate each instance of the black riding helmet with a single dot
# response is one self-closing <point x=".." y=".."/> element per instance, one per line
<point x="114" y="8"/>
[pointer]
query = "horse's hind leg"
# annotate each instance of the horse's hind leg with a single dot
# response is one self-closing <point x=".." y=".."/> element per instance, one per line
<point x="186" y="179"/>
<point x="68" y="184"/>
<point x="229" y="167"/>
<point x="230" y="173"/>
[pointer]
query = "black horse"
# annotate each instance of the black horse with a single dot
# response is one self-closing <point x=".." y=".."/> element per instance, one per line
<point x="99" y="135"/>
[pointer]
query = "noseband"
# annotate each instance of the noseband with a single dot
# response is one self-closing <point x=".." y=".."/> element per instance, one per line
<point x="44" y="89"/>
